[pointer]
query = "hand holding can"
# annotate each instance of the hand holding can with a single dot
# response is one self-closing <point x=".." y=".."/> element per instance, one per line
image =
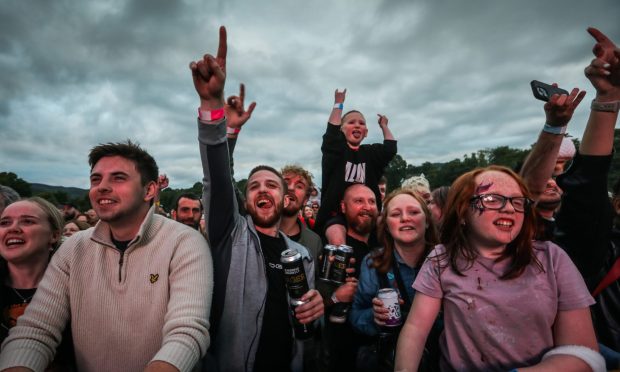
<point x="302" y="331"/>
<point x="326" y="262"/>
<point x="294" y="273"/>
<point x="380" y="313"/>
<point x="389" y="298"/>
<point x="342" y="259"/>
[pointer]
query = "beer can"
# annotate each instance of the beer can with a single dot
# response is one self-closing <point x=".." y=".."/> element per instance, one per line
<point x="340" y="312"/>
<point x="301" y="331"/>
<point x="389" y="297"/>
<point x="342" y="256"/>
<point x="326" y="264"/>
<point x="294" y="273"/>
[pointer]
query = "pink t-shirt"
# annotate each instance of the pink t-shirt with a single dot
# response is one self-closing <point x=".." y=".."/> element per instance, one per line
<point x="497" y="325"/>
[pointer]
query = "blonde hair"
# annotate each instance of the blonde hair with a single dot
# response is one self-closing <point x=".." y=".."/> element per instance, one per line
<point x="54" y="218"/>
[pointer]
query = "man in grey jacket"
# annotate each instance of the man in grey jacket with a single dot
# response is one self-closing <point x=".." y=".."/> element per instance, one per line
<point x="251" y="320"/>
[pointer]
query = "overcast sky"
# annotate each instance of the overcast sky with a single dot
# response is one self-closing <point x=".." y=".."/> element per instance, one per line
<point x="452" y="76"/>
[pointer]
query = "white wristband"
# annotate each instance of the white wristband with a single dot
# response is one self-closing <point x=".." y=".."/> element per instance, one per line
<point x="612" y="106"/>
<point x="591" y="357"/>
<point x="230" y="130"/>
<point x="554" y="130"/>
<point x="338" y="106"/>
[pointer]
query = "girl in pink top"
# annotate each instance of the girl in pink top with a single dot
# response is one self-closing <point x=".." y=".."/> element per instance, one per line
<point x="509" y="302"/>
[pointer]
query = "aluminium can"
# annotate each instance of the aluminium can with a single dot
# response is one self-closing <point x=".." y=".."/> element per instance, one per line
<point x="301" y="331"/>
<point x="327" y="262"/>
<point x="294" y="273"/>
<point x="389" y="297"/>
<point x="342" y="257"/>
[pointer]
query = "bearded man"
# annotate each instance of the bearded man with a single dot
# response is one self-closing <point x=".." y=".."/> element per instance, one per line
<point x="187" y="210"/>
<point x="252" y="329"/>
<point x="359" y="207"/>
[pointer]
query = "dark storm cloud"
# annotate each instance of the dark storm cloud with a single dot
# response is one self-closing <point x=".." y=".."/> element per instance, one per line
<point x="451" y="76"/>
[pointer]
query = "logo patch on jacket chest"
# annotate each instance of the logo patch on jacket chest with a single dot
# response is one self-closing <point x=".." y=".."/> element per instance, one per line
<point x="355" y="173"/>
<point x="154" y="278"/>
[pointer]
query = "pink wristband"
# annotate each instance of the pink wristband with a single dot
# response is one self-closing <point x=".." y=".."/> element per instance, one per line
<point x="233" y="130"/>
<point x="214" y="115"/>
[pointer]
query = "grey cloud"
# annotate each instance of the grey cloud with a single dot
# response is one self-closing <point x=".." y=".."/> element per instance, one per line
<point x="446" y="73"/>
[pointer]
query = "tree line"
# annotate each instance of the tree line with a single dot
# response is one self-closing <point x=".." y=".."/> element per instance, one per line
<point x="438" y="174"/>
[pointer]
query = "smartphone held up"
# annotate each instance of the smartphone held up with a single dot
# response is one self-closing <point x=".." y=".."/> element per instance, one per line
<point x="544" y="91"/>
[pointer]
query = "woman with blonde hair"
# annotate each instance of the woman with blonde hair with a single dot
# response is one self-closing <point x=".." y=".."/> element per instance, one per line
<point x="30" y="231"/>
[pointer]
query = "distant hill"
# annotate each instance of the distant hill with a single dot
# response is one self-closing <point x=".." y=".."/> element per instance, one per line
<point x="72" y="192"/>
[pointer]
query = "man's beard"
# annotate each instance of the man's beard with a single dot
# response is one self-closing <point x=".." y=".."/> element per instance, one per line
<point x="191" y="223"/>
<point x="549" y="202"/>
<point x="291" y="210"/>
<point x="551" y="198"/>
<point x="269" y="220"/>
<point x="362" y="226"/>
<point x="550" y="205"/>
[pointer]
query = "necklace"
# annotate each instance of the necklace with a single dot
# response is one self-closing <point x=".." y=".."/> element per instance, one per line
<point x="25" y="299"/>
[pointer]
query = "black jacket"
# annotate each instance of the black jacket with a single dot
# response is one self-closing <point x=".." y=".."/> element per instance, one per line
<point x="585" y="230"/>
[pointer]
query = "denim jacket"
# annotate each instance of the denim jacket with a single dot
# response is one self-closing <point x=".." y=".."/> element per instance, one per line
<point x="362" y="317"/>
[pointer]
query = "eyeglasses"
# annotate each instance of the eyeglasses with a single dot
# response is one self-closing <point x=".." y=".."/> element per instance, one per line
<point x="496" y="202"/>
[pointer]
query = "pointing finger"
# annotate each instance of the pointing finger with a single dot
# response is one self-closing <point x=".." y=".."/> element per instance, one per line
<point x="222" y="48"/>
<point x="598" y="35"/>
<point x="242" y="93"/>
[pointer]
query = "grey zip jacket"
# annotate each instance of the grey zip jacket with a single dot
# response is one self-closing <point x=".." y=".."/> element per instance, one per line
<point x="240" y="278"/>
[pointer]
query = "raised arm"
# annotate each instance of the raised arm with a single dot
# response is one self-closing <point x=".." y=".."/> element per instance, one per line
<point x="162" y="183"/>
<point x="584" y="221"/>
<point x="236" y="117"/>
<point x="383" y="124"/>
<point x="335" y="117"/>
<point x="236" y="114"/>
<point x="539" y="165"/>
<point x="333" y="147"/>
<point x="209" y="75"/>
<point x="604" y="74"/>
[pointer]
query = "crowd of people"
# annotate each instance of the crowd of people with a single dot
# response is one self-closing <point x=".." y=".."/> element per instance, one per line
<point x="503" y="270"/>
